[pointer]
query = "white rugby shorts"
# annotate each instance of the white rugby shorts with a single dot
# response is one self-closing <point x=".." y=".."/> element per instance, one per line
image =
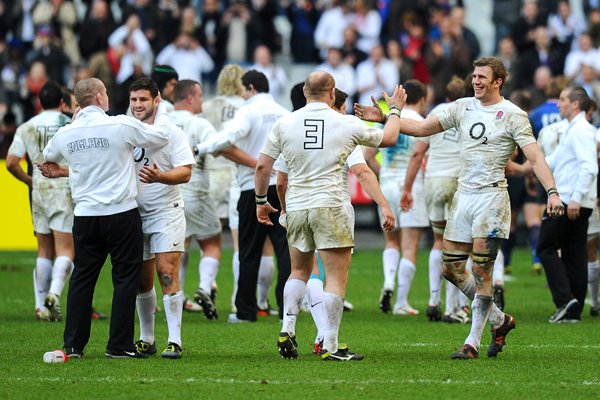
<point x="439" y="192"/>
<point x="320" y="228"/>
<point x="164" y="233"/>
<point x="52" y="210"/>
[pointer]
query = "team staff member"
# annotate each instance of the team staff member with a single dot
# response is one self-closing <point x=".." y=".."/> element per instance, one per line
<point x="575" y="166"/>
<point x="98" y="150"/>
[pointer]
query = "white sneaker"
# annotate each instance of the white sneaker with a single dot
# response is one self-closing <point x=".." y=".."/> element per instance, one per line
<point x="191" y="306"/>
<point x="348" y="306"/>
<point x="405" y="310"/>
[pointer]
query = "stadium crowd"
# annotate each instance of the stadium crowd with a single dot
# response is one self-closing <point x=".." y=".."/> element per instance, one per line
<point x="549" y="67"/>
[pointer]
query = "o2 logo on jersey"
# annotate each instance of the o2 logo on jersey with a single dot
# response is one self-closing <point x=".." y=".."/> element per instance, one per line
<point x="477" y="131"/>
<point x="139" y="155"/>
<point x="315" y="130"/>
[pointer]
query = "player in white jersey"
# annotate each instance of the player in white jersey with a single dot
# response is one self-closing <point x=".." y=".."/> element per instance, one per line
<point x="315" y="142"/>
<point x="202" y="222"/>
<point x="51" y="204"/>
<point x="410" y="223"/>
<point x="161" y="205"/>
<point x="489" y="128"/>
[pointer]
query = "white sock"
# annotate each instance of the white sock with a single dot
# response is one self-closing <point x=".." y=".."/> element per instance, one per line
<point x="498" y="274"/>
<point x="208" y="269"/>
<point x="42" y="275"/>
<point x="435" y="276"/>
<point x="333" y="305"/>
<point x="314" y="291"/>
<point x="593" y="280"/>
<point x="265" y="280"/>
<point x="293" y="293"/>
<point x="235" y="268"/>
<point x="406" y="273"/>
<point x="185" y="257"/>
<point x="173" y="309"/>
<point x="146" y="304"/>
<point x="481" y="308"/>
<point x="451" y="298"/>
<point x="60" y="273"/>
<point x="391" y="258"/>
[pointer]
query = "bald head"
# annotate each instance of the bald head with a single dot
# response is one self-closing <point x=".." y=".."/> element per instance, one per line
<point x="319" y="86"/>
<point x="86" y="91"/>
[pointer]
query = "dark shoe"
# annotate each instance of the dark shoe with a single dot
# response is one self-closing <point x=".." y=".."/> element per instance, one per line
<point x="52" y="303"/>
<point x="434" y="313"/>
<point x="385" y="300"/>
<point x="499" y="335"/>
<point x="499" y="296"/>
<point x="562" y="312"/>
<point x="594" y="311"/>
<point x="288" y="348"/>
<point x="124" y="354"/>
<point x="173" y="351"/>
<point x="342" y="354"/>
<point x="73" y="352"/>
<point x="466" y="352"/>
<point x="203" y="299"/>
<point x="145" y="347"/>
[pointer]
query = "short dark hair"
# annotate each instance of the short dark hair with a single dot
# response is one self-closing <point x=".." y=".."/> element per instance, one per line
<point x="161" y="74"/>
<point x="577" y="93"/>
<point x="144" y="83"/>
<point x="415" y="91"/>
<point x="50" y="95"/>
<point x="67" y="96"/>
<point x="257" y="79"/>
<point x="297" y="96"/>
<point x="340" y="98"/>
<point x="183" y="89"/>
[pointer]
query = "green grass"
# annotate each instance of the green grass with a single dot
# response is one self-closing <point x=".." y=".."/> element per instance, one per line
<point x="406" y="357"/>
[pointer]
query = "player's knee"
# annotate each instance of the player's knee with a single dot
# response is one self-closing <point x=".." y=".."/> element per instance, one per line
<point x="454" y="263"/>
<point x="166" y="280"/>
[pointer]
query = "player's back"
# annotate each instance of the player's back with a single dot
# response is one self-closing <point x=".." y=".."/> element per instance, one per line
<point x="444" y="150"/>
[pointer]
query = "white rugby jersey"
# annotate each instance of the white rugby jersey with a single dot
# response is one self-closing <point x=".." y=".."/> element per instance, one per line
<point x="196" y="130"/>
<point x="31" y="138"/>
<point x="549" y="136"/>
<point x="315" y="142"/>
<point x="444" y="151"/>
<point x="99" y="151"/>
<point x="488" y="136"/>
<point x="395" y="159"/>
<point x="218" y="111"/>
<point x="156" y="197"/>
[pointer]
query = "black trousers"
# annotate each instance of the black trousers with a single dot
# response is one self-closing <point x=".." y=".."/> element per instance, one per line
<point x="566" y="273"/>
<point x="252" y="237"/>
<point x="119" y="235"/>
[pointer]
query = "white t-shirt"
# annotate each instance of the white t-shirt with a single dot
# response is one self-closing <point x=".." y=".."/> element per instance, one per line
<point x="395" y="159"/>
<point x="31" y="138"/>
<point x="154" y="198"/>
<point x="444" y="151"/>
<point x="315" y="142"/>
<point x="196" y="130"/>
<point x="488" y="136"/>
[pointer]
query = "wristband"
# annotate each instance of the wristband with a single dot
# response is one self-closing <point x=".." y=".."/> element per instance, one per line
<point x="552" y="191"/>
<point x="394" y="111"/>
<point x="260" y="199"/>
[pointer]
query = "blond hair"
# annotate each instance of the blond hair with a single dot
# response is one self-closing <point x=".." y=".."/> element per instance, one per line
<point x="229" y="82"/>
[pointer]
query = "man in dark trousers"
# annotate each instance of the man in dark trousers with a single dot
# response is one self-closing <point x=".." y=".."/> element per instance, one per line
<point x="98" y="151"/>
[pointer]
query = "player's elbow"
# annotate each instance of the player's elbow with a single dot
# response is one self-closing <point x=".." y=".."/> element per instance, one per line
<point x="12" y="164"/>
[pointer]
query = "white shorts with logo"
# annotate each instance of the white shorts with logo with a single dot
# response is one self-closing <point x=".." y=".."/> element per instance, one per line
<point x="416" y="217"/>
<point x="201" y="219"/>
<point x="320" y="228"/>
<point x="52" y="210"/>
<point x="594" y="224"/>
<point x="164" y="233"/>
<point x="439" y="192"/>
<point x="220" y="180"/>
<point x="234" y="197"/>
<point x="478" y="214"/>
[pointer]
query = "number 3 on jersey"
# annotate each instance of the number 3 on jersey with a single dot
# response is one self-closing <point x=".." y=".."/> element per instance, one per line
<point x="314" y="132"/>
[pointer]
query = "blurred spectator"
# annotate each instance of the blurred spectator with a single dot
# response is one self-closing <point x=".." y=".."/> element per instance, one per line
<point x="61" y="17"/>
<point x="187" y="23"/>
<point x="147" y="13"/>
<point x="304" y="16"/>
<point x="591" y="85"/>
<point x="564" y="28"/>
<point x="131" y="49"/>
<point x="351" y="53"/>
<point x="594" y="26"/>
<point x="238" y="32"/>
<point x="446" y="57"/>
<point x="541" y="79"/>
<point x="547" y="113"/>
<point x="523" y="31"/>
<point x="23" y="29"/>
<point x="375" y="75"/>
<point x="36" y="78"/>
<point x="263" y="13"/>
<point x="6" y="17"/>
<point x="7" y="132"/>
<point x="208" y="35"/>
<point x="367" y="22"/>
<point x="508" y="55"/>
<point x="169" y="15"/>
<point x="402" y="11"/>
<point x="586" y="54"/>
<point x="48" y="50"/>
<point x="457" y="19"/>
<point x="393" y="51"/>
<point x="543" y="53"/>
<point x="343" y="74"/>
<point x="330" y="28"/>
<point x="275" y="74"/>
<point x="187" y="56"/>
<point x="504" y="15"/>
<point x="414" y="42"/>
<point x="96" y="29"/>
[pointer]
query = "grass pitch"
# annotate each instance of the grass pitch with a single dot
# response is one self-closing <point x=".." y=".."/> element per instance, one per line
<point x="405" y="357"/>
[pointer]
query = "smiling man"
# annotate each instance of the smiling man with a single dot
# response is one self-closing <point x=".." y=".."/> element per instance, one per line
<point x="490" y="128"/>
